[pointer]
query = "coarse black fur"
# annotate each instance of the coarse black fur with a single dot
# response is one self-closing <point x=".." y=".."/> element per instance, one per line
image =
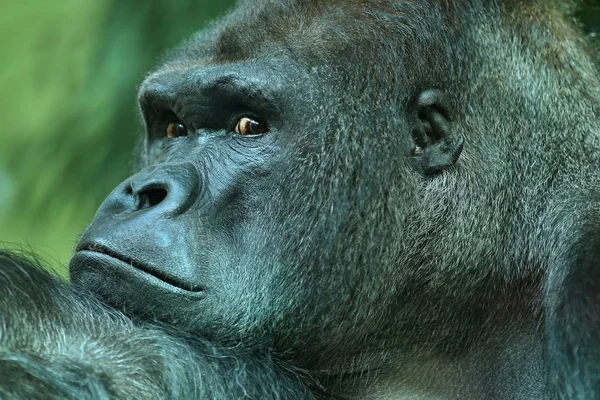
<point x="420" y="219"/>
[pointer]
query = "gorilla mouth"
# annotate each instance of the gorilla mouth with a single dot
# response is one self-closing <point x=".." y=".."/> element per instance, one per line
<point x="139" y="266"/>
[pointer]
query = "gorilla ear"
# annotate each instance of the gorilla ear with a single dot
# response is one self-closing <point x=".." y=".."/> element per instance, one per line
<point x="435" y="147"/>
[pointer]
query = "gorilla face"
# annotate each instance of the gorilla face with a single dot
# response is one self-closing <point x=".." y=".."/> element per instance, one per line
<point x="279" y="195"/>
<point x="202" y="228"/>
<point x="251" y="206"/>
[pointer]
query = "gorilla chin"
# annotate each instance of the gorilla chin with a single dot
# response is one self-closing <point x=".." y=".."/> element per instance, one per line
<point x="123" y="282"/>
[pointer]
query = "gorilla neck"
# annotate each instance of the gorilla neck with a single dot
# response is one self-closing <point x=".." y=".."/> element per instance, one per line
<point x="508" y="366"/>
<point x="483" y="353"/>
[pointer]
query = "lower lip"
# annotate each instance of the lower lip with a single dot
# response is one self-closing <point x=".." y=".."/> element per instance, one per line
<point x="112" y="268"/>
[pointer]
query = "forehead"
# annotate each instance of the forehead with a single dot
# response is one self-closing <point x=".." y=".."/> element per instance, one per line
<point x="272" y="29"/>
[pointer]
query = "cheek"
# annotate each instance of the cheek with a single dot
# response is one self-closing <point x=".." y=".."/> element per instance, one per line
<point x="263" y="259"/>
<point x="242" y="296"/>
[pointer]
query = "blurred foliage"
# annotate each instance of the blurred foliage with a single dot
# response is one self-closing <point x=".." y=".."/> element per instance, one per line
<point x="68" y="77"/>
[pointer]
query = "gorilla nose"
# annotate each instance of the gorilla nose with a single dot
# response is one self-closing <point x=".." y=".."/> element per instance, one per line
<point x="167" y="190"/>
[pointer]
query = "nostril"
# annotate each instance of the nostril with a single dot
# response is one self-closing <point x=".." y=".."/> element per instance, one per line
<point x="150" y="196"/>
<point x="166" y="189"/>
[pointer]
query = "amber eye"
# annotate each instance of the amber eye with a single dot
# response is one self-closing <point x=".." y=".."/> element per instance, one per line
<point x="176" y="129"/>
<point x="248" y="126"/>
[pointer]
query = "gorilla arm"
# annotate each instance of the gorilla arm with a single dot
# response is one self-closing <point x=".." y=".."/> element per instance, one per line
<point x="59" y="343"/>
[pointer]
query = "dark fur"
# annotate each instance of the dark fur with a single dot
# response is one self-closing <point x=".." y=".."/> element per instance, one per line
<point x="329" y="241"/>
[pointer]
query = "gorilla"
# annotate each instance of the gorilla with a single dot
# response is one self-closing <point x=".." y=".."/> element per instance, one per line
<point x="380" y="199"/>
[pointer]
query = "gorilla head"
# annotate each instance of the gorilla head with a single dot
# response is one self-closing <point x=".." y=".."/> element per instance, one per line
<point x="303" y="182"/>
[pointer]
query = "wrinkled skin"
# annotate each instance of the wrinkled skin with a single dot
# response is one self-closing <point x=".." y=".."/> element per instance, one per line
<point x="417" y="216"/>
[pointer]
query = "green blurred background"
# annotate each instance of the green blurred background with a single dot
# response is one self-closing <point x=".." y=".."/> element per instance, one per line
<point x="68" y="76"/>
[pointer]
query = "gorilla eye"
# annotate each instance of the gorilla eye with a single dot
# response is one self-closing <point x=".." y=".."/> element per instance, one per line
<point x="176" y="129"/>
<point x="249" y="126"/>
